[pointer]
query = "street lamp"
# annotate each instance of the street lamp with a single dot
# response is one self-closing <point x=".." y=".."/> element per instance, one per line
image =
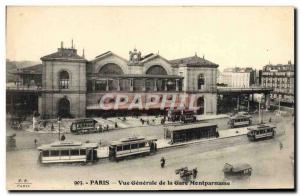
<point x="58" y="121"/>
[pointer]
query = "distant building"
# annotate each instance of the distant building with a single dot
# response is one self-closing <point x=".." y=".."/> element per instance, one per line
<point x="237" y="77"/>
<point x="281" y="79"/>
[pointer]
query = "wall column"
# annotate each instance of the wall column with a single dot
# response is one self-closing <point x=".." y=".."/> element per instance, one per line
<point x="107" y="87"/>
<point x="165" y="85"/>
<point x="118" y="84"/>
<point x="131" y="84"/>
<point x="93" y="85"/>
<point x="144" y="84"/>
<point x="177" y="86"/>
<point x="155" y="84"/>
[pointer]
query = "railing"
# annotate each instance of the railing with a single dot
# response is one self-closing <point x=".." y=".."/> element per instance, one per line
<point x="252" y="88"/>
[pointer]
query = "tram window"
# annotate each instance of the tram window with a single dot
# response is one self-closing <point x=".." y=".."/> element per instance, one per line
<point x="82" y="152"/>
<point x="141" y="145"/>
<point x="126" y="147"/>
<point x="74" y="152"/>
<point x="54" y="153"/>
<point x="46" y="153"/>
<point x="119" y="148"/>
<point x="134" y="146"/>
<point x="64" y="153"/>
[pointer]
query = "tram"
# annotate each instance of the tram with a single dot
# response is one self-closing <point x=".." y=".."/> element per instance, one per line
<point x="185" y="133"/>
<point x="239" y="120"/>
<point x="184" y="116"/>
<point x="68" y="151"/>
<point x="133" y="146"/>
<point x="84" y="125"/>
<point x="261" y="131"/>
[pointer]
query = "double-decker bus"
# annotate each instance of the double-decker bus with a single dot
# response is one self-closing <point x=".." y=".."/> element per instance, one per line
<point x="261" y="131"/>
<point x="133" y="146"/>
<point x="68" y="151"/>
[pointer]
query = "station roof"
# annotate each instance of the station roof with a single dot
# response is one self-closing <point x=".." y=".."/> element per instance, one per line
<point x="190" y="126"/>
<point x="64" y="54"/>
<point x="35" y="69"/>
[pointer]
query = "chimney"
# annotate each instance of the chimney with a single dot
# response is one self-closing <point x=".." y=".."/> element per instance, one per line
<point x="83" y="53"/>
<point x="61" y="44"/>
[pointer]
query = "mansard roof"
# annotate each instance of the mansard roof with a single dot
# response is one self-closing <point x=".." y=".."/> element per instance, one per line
<point x="194" y="61"/>
<point x="69" y="54"/>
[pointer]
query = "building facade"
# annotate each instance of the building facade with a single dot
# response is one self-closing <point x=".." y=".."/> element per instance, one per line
<point x="73" y="86"/>
<point x="281" y="78"/>
<point x="237" y="77"/>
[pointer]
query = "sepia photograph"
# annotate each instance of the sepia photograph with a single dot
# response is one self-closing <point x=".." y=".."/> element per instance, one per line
<point x="150" y="98"/>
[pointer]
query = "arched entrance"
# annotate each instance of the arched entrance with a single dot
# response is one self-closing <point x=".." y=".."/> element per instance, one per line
<point x="200" y="104"/>
<point x="64" y="108"/>
<point x="156" y="70"/>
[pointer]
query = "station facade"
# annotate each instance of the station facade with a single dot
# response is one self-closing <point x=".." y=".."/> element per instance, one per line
<point x="70" y="85"/>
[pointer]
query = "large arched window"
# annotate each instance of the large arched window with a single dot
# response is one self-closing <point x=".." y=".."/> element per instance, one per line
<point x="156" y="70"/>
<point x="200" y="105"/>
<point x="64" y="80"/>
<point x="64" y="108"/>
<point x="201" y="81"/>
<point x="111" y="69"/>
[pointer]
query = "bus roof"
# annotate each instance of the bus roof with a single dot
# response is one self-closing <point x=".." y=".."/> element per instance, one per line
<point x="237" y="167"/>
<point x="238" y="116"/>
<point x="83" y="119"/>
<point x="190" y="126"/>
<point x="132" y="140"/>
<point x="261" y="126"/>
<point x="67" y="145"/>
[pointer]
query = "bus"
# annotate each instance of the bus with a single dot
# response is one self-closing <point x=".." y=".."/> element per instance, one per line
<point x="239" y="120"/>
<point x="261" y="131"/>
<point x="68" y="151"/>
<point x="188" y="132"/>
<point x="132" y="146"/>
<point x="84" y="125"/>
<point x="188" y="116"/>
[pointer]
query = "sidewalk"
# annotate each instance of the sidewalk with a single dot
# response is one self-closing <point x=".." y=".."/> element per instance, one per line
<point x="164" y="143"/>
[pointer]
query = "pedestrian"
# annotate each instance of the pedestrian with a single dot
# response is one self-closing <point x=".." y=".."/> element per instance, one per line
<point x="63" y="137"/>
<point x="195" y="172"/>
<point x="280" y="146"/>
<point x="270" y="120"/>
<point x="148" y="122"/>
<point x="116" y="125"/>
<point x="35" y="141"/>
<point x="162" y="162"/>
<point x="106" y="127"/>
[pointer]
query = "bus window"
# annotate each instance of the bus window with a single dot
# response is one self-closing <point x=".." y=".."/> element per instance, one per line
<point x="134" y="146"/>
<point x="46" y="153"/>
<point x="126" y="147"/>
<point x="82" y="152"/>
<point x="74" y="152"/>
<point x="64" y="153"/>
<point x="54" y="153"/>
<point x="141" y="145"/>
<point x="119" y="148"/>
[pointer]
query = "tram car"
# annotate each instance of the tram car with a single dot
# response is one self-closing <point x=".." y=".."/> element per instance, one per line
<point x="240" y="120"/>
<point x="84" y="125"/>
<point x="262" y="131"/>
<point x="133" y="146"/>
<point x="68" y="151"/>
<point x="188" y="132"/>
<point x="184" y="116"/>
<point x="237" y="170"/>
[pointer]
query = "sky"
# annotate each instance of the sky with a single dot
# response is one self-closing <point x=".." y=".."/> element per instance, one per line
<point x="228" y="36"/>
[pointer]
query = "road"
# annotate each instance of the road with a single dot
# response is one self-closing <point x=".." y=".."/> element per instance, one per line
<point x="272" y="167"/>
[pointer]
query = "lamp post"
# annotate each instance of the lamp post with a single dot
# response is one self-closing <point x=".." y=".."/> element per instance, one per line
<point x="58" y="121"/>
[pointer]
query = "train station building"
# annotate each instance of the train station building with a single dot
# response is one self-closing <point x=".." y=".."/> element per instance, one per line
<point x="66" y="84"/>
